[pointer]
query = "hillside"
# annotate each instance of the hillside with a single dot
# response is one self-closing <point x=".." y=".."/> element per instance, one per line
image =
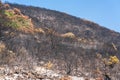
<point x="44" y="36"/>
<point x="62" y="23"/>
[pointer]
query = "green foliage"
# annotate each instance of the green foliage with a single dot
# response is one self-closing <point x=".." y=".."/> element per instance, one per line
<point x="21" y="21"/>
<point x="11" y="18"/>
<point x="9" y="13"/>
<point x="12" y="24"/>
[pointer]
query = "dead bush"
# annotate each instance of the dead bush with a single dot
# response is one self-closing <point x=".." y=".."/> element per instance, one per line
<point x="66" y="78"/>
<point x="68" y="35"/>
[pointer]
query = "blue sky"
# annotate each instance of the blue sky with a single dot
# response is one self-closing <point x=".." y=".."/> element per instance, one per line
<point x="104" y="12"/>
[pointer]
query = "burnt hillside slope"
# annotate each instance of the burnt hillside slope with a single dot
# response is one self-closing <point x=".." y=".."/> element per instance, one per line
<point x="67" y="41"/>
<point x="63" y="23"/>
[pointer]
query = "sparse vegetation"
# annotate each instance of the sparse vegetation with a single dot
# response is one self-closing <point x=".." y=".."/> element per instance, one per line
<point x="48" y="65"/>
<point x="13" y="18"/>
<point x="2" y="46"/>
<point x="59" y="41"/>
<point x="39" y="30"/>
<point x="6" y="56"/>
<point x="107" y="65"/>
<point x="68" y="35"/>
<point x="66" y="78"/>
<point x="113" y="60"/>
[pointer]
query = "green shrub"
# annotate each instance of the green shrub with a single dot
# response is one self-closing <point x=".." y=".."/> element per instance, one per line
<point x="8" y="18"/>
<point x="9" y="13"/>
